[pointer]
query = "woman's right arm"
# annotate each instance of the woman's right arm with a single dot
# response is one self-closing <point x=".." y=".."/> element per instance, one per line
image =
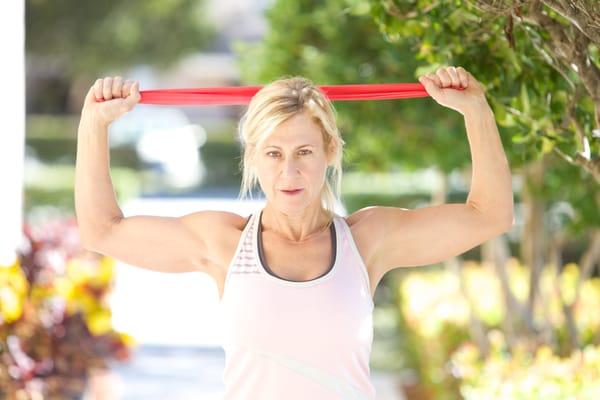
<point x="165" y="244"/>
<point x="95" y="203"/>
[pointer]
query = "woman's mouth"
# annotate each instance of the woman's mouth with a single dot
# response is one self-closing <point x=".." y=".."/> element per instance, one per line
<point x="292" y="192"/>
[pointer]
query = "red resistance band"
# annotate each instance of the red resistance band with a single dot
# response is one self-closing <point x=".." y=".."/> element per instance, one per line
<point x="243" y="94"/>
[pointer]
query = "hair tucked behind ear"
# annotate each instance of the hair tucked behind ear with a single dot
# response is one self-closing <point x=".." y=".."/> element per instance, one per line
<point x="273" y="104"/>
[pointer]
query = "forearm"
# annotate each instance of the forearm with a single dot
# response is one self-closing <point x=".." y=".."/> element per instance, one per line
<point x="491" y="184"/>
<point x="95" y="203"/>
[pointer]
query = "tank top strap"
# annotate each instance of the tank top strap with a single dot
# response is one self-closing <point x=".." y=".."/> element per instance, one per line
<point x="351" y="253"/>
<point x="243" y="258"/>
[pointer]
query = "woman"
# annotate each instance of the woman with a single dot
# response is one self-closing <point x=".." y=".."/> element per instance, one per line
<point x="296" y="280"/>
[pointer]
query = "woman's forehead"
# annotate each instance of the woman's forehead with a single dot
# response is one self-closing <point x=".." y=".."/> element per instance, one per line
<point x="294" y="138"/>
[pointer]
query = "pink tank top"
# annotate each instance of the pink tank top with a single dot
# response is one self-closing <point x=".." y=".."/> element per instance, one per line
<point x="286" y="339"/>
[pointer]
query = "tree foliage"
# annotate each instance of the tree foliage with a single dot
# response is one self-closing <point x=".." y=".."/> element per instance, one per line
<point x="99" y="35"/>
<point x="544" y="109"/>
<point x="71" y="42"/>
<point x="540" y="58"/>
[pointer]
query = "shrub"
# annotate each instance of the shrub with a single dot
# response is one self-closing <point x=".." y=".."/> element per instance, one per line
<point x="55" y="323"/>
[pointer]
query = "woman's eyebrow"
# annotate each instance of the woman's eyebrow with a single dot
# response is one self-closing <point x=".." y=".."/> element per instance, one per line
<point x="302" y="145"/>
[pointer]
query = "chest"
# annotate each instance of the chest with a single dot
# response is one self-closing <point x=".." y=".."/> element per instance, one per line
<point x="299" y="262"/>
<point x="321" y="317"/>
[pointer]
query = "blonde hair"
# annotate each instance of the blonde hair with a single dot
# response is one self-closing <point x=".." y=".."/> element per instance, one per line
<point x="273" y="104"/>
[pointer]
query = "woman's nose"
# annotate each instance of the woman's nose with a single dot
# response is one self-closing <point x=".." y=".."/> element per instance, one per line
<point x="291" y="167"/>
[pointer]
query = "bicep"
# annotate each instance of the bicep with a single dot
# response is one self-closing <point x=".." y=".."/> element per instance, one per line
<point x="428" y="235"/>
<point x="164" y="244"/>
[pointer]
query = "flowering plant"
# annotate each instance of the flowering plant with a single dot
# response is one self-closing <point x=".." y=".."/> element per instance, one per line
<point x="55" y="324"/>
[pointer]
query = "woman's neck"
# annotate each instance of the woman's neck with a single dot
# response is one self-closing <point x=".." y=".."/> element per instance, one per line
<point x="295" y="229"/>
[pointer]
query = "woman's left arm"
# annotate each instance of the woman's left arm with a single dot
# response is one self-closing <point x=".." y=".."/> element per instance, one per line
<point x="491" y="185"/>
<point x="427" y="235"/>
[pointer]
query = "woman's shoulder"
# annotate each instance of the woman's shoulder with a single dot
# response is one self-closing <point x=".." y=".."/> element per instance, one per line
<point x="234" y="221"/>
<point x="217" y="228"/>
<point x="358" y="216"/>
<point x="217" y="219"/>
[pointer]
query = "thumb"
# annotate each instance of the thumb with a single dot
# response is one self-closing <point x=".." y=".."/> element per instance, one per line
<point x="134" y="95"/>
<point x="430" y="86"/>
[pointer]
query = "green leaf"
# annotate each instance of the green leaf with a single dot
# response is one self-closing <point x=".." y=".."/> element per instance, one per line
<point x="547" y="145"/>
<point x="525" y="99"/>
<point x="520" y="138"/>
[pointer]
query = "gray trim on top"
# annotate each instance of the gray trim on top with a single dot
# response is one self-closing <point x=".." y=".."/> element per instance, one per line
<point x="270" y="271"/>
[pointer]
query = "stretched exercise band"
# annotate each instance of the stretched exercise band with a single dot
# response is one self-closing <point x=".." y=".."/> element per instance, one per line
<point x="243" y="94"/>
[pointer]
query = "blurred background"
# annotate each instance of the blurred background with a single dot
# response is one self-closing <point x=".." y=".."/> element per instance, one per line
<point x="515" y="318"/>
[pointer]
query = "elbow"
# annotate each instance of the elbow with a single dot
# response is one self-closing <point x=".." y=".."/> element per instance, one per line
<point x="500" y="225"/>
<point x="92" y="238"/>
<point x="507" y="223"/>
<point x="511" y="223"/>
<point x="504" y="221"/>
<point x="89" y="242"/>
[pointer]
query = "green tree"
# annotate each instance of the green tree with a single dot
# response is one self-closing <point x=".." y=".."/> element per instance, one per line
<point x="328" y="43"/>
<point x="85" y="39"/>
<point x="540" y="61"/>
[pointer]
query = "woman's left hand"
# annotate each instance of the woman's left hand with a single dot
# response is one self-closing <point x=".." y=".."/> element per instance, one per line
<point x="454" y="88"/>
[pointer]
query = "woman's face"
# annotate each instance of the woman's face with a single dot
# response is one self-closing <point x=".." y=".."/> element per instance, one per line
<point x="293" y="157"/>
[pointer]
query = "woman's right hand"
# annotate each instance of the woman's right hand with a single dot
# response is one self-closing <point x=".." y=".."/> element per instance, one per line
<point x="110" y="98"/>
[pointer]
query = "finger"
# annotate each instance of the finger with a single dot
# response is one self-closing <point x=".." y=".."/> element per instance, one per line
<point x="126" y="88"/>
<point x="430" y="86"/>
<point x="444" y="77"/>
<point x="107" y="88"/>
<point x="453" y="76"/>
<point x="98" y="89"/>
<point x="435" y="79"/>
<point x="463" y="76"/>
<point x="117" y="86"/>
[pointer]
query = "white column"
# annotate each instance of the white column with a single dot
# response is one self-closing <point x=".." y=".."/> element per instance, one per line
<point x="12" y="133"/>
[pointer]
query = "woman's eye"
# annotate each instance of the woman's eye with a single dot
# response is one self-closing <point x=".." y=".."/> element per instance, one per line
<point x="276" y="152"/>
